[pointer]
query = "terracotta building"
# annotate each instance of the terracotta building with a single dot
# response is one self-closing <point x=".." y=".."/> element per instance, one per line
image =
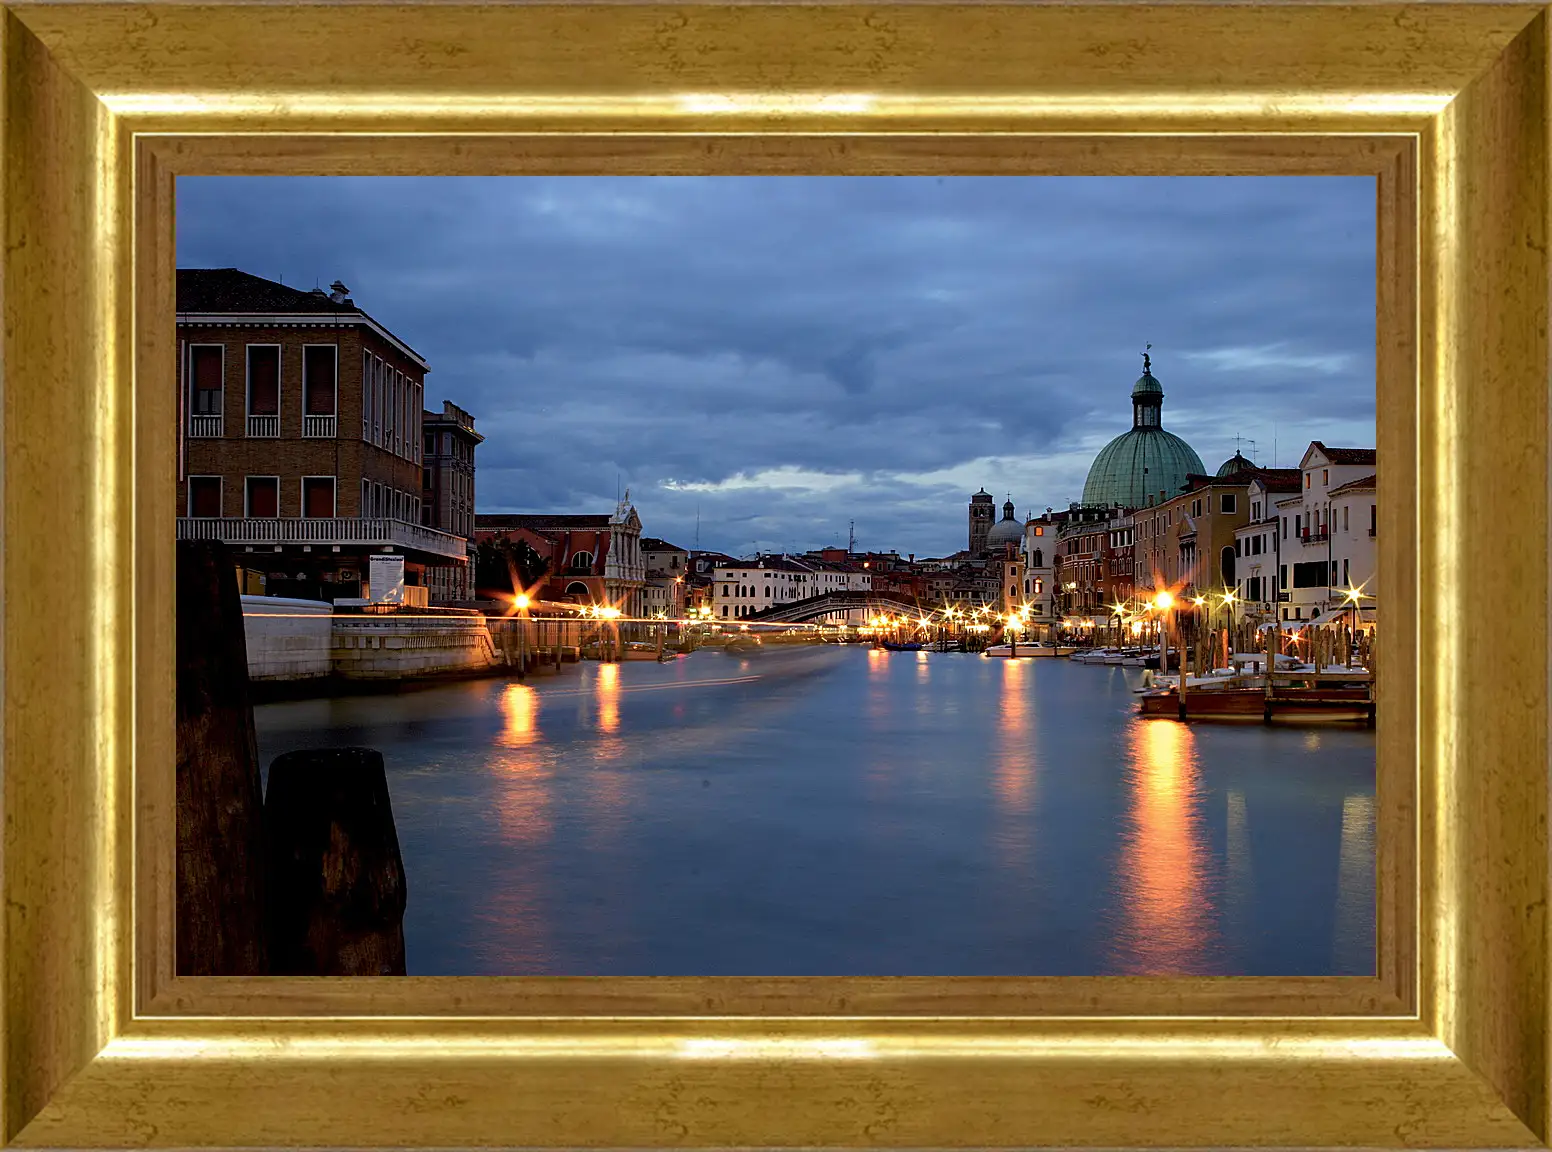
<point x="594" y="558"/>
<point x="300" y="435"/>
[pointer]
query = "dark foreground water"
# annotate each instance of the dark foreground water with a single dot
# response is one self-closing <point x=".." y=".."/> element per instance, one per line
<point x="859" y="812"/>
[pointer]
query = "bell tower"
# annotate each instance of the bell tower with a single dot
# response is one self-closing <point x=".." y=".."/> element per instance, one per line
<point x="983" y="510"/>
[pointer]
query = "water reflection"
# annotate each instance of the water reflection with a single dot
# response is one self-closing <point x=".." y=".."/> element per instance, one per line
<point x="1166" y="921"/>
<point x="1014" y="752"/>
<point x="1239" y="894"/>
<point x="1013" y="765"/>
<point x="517" y="935"/>
<point x="519" y="706"/>
<point x="609" y="697"/>
<point x="608" y="791"/>
<point x="807" y="813"/>
<point x="1353" y="928"/>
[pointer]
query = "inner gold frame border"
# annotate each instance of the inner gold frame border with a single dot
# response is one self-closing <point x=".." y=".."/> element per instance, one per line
<point x="103" y="105"/>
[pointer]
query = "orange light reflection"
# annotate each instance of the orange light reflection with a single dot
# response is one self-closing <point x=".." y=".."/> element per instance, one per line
<point x="1167" y="920"/>
<point x="609" y="697"/>
<point x="1013" y="755"/>
<point x="522" y="808"/>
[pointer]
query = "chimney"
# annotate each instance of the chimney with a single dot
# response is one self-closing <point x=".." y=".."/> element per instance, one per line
<point x="339" y="293"/>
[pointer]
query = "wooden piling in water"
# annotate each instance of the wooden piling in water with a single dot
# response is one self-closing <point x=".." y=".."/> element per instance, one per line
<point x="336" y="878"/>
<point x="220" y="872"/>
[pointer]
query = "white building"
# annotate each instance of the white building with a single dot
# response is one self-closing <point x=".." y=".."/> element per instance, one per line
<point x="1039" y="550"/>
<point x="1323" y="532"/>
<point x="1258" y="545"/>
<point x="751" y="586"/>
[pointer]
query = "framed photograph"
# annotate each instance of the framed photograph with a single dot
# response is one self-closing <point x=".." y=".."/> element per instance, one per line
<point x="139" y="419"/>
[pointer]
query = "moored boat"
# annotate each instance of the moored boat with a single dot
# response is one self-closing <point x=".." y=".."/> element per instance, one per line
<point x="1025" y="651"/>
<point x="1323" y="703"/>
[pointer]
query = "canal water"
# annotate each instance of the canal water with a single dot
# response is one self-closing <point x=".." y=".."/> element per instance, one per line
<point x="850" y="811"/>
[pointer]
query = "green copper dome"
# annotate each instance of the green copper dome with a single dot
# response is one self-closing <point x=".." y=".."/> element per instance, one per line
<point x="1235" y="463"/>
<point x="1145" y="461"/>
<point x="1147" y="386"/>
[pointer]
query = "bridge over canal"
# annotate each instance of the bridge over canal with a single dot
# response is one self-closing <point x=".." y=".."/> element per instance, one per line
<point x="828" y="605"/>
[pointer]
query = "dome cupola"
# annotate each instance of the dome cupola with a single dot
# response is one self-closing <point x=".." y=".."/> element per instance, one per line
<point x="1134" y="468"/>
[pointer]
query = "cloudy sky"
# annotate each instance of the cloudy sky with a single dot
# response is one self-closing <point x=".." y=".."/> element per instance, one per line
<point x="782" y="356"/>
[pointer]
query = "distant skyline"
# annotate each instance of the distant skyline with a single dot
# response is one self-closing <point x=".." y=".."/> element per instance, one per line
<point x="784" y="355"/>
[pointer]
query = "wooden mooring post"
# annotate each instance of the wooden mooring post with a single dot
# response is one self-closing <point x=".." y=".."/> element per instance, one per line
<point x="305" y="881"/>
<point x="336" y="880"/>
<point x="220" y="874"/>
<point x="1274" y="644"/>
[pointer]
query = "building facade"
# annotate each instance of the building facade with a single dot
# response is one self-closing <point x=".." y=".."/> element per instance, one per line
<point x="668" y="567"/>
<point x="447" y="494"/>
<point x="299" y="436"/>
<point x="745" y="587"/>
<point x="1258" y="544"/>
<point x="592" y="558"/>
<point x="1323" y="552"/>
<point x="1041" y="542"/>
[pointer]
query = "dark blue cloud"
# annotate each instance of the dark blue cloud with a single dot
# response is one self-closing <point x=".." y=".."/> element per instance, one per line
<point x="785" y="355"/>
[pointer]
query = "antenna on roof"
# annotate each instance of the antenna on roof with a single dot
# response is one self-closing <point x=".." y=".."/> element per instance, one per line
<point x="851" y="539"/>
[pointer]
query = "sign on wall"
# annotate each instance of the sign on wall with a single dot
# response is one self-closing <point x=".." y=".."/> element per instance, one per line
<point x="385" y="575"/>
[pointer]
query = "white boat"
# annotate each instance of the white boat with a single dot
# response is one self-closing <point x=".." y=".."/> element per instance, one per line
<point x="1025" y="651"/>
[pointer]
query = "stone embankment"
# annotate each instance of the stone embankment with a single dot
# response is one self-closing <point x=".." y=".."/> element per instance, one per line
<point x="310" y="644"/>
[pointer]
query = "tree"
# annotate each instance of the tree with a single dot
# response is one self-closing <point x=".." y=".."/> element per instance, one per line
<point x="503" y="565"/>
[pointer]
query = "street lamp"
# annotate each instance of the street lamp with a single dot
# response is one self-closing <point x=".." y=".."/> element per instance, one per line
<point x="1163" y="603"/>
<point x="1353" y="595"/>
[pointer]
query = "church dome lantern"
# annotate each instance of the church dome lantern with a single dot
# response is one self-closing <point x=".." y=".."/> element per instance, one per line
<point x="1137" y="465"/>
<point x="1006" y="531"/>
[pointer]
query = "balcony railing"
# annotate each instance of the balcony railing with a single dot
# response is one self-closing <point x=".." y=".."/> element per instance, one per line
<point x="1315" y="537"/>
<point x="319" y="426"/>
<point x="205" y="426"/>
<point x="264" y="426"/>
<point x="370" y="532"/>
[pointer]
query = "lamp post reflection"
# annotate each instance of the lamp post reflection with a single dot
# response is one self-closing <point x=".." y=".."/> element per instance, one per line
<point x="1013" y="765"/>
<point x="608" y="698"/>
<point x="1166" y="919"/>
<point x="522" y="777"/>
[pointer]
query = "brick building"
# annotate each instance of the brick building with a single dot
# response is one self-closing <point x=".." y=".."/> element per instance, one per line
<point x="447" y="494"/>
<point x="594" y="558"/>
<point x="300" y="435"/>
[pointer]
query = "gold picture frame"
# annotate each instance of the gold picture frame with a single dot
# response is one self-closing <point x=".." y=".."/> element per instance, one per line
<point x="103" y="104"/>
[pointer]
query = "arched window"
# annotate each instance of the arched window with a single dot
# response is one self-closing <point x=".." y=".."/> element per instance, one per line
<point x="582" y="560"/>
<point x="727" y="590"/>
<point x="768" y="596"/>
<point x="576" y="587"/>
<point x="1040" y="563"/>
<point x="1226" y="562"/>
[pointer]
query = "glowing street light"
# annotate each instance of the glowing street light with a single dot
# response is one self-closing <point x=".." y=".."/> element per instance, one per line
<point x="521" y="601"/>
